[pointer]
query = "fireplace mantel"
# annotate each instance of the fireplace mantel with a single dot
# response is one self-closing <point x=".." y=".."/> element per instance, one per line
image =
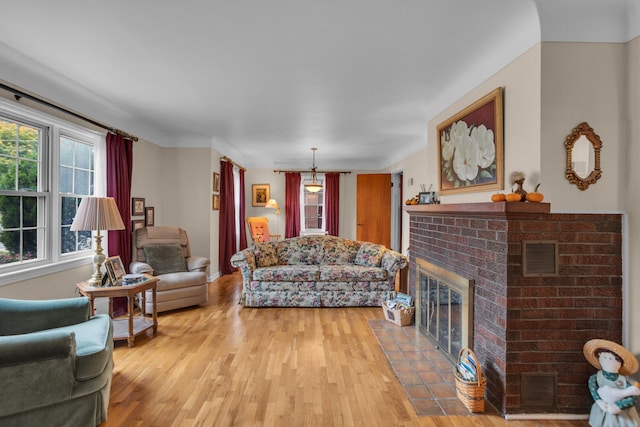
<point x="483" y="209"/>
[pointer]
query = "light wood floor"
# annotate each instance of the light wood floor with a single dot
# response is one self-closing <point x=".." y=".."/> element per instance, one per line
<point x="226" y="365"/>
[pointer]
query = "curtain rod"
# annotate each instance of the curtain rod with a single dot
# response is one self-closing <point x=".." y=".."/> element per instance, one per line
<point x="226" y="159"/>
<point x="308" y="171"/>
<point x="20" y="94"/>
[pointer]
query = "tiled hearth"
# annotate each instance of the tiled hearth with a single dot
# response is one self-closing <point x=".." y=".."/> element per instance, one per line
<point x="424" y="372"/>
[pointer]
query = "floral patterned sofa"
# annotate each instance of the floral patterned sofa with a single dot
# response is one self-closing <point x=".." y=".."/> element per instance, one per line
<point x="317" y="271"/>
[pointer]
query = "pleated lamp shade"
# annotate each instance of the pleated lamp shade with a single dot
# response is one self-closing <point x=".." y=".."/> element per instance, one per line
<point x="97" y="213"/>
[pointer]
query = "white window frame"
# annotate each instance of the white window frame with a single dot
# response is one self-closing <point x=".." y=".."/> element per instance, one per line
<point x="304" y="178"/>
<point x="53" y="260"/>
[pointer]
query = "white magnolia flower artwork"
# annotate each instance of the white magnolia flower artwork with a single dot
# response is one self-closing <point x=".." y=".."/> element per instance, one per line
<point x="468" y="154"/>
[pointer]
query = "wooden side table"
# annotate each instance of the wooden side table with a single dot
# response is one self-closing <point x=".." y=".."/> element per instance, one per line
<point x="134" y="324"/>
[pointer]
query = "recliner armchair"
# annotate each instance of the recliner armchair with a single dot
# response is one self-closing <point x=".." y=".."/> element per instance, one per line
<point x="56" y="363"/>
<point x="165" y="252"/>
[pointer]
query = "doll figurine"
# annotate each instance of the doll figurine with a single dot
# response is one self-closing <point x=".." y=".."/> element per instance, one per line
<point x="615" y="397"/>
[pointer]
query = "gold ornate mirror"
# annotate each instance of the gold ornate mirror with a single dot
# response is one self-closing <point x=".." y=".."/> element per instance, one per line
<point x="583" y="156"/>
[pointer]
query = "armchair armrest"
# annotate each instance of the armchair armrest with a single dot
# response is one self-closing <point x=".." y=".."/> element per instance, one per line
<point x="198" y="263"/>
<point x="138" y="267"/>
<point x="34" y="347"/>
<point x="26" y="316"/>
<point x="245" y="260"/>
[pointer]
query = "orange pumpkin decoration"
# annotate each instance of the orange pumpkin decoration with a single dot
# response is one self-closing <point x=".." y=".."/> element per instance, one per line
<point x="535" y="197"/>
<point x="498" y="197"/>
<point x="513" y="197"/>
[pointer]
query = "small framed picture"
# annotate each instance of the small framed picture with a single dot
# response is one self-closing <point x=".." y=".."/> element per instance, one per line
<point x="137" y="206"/>
<point x="149" y="216"/>
<point x="137" y="223"/>
<point x="425" y="198"/>
<point x="216" y="182"/>
<point x="115" y="269"/>
<point x="215" y="202"/>
<point x="260" y="194"/>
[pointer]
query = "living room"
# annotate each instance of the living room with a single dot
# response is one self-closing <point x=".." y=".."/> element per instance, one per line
<point x="561" y="79"/>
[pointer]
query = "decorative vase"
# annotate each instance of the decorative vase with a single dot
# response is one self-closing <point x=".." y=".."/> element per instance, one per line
<point x="521" y="191"/>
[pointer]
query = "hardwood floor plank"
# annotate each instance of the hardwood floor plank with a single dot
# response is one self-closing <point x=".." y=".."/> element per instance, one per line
<point x="227" y="365"/>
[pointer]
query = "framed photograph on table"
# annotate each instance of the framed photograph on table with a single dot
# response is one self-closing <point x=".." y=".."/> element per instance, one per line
<point x="149" y="216"/>
<point x="137" y="206"/>
<point x="260" y="195"/>
<point x="115" y="269"/>
<point x="470" y="147"/>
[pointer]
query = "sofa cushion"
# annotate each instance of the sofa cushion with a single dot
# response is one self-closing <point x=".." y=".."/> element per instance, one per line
<point x="338" y="251"/>
<point x="346" y="273"/>
<point x="287" y="273"/>
<point x="369" y="254"/>
<point x="266" y="254"/>
<point x="165" y="258"/>
<point x="306" y="250"/>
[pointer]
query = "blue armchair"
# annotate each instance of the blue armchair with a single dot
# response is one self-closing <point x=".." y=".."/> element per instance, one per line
<point x="56" y="363"/>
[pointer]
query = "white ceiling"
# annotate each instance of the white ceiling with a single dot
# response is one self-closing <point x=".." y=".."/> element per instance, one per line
<point x="359" y="79"/>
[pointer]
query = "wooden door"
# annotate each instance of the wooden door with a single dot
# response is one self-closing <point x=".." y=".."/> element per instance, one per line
<point x="373" y="208"/>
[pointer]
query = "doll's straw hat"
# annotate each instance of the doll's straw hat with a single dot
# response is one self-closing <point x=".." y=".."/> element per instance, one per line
<point x="629" y="362"/>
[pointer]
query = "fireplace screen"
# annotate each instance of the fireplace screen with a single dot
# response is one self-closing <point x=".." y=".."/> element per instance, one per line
<point x="446" y="308"/>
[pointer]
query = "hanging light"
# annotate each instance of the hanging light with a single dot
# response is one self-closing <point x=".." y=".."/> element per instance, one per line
<point x="314" y="186"/>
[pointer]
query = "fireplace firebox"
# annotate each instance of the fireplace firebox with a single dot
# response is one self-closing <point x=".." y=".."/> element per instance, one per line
<point x="445" y="311"/>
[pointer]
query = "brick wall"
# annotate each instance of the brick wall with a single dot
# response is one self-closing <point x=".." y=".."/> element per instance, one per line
<point x="531" y="326"/>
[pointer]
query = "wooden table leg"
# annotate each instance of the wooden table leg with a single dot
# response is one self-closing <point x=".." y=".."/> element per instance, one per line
<point x="132" y="337"/>
<point x="155" y="310"/>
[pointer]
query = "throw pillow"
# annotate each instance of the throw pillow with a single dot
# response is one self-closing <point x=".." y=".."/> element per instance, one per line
<point x="266" y="254"/>
<point x="369" y="255"/>
<point x="165" y="258"/>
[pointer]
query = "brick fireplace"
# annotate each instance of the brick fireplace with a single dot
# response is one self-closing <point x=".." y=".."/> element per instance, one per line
<point x="545" y="283"/>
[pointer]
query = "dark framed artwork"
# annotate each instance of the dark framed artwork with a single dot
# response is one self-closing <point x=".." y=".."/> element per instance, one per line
<point x="215" y="202"/>
<point x="260" y="194"/>
<point x="216" y="182"/>
<point x="137" y="223"/>
<point x="149" y="216"/>
<point x="470" y="147"/>
<point x="137" y="206"/>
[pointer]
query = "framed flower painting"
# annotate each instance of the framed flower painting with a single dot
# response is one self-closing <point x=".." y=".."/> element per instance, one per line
<point x="470" y="147"/>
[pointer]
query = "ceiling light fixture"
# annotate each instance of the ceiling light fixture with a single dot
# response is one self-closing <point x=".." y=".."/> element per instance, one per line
<point x="314" y="186"/>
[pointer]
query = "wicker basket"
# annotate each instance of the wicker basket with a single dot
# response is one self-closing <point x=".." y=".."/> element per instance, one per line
<point x="471" y="393"/>
<point x="401" y="317"/>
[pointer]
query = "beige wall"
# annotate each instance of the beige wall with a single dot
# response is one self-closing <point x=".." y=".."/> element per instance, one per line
<point x="631" y="196"/>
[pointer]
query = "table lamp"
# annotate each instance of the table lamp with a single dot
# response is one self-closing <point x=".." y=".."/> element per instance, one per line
<point x="95" y="214"/>
<point x="272" y="204"/>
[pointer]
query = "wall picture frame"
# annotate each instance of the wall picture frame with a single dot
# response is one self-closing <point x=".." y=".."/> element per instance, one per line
<point x="149" y="216"/>
<point x="260" y="195"/>
<point x="216" y="182"/>
<point x="115" y="269"/>
<point x="471" y="148"/>
<point x="136" y="224"/>
<point x="137" y="206"/>
<point x="215" y="202"/>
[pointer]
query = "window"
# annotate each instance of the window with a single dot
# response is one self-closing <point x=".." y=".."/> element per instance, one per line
<point x="46" y="167"/>
<point x="312" y="205"/>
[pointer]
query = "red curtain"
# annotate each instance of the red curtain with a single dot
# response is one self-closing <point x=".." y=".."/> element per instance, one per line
<point x="227" y="225"/>
<point x="332" y="202"/>
<point x="292" y="204"/>
<point x="243" y="229"/>
<point x="119" y="171"/>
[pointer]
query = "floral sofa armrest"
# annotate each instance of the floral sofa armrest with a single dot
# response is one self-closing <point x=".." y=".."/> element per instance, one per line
<point x="245" y="260"/>
<point x="393" y="261"/>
